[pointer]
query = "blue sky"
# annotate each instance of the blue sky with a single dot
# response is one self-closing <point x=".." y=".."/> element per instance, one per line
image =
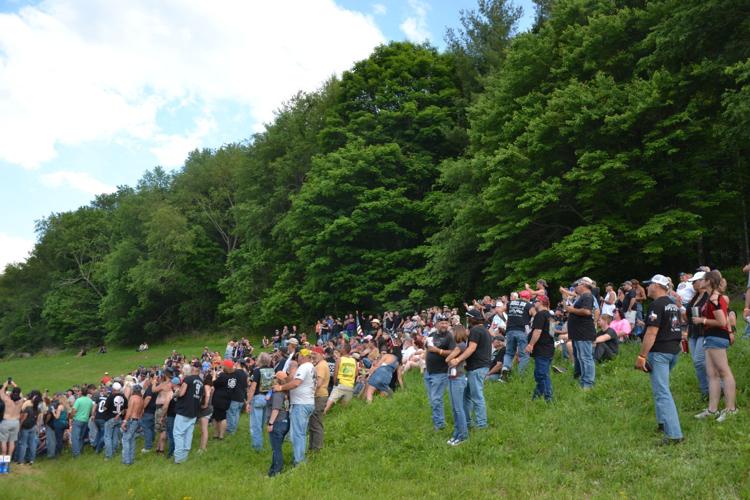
<point x="95" y="92"/>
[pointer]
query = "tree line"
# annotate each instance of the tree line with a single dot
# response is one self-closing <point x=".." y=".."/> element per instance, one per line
<point x="610" y="140"/>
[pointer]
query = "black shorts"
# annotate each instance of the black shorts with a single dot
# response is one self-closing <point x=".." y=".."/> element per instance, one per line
<point x="220" y="414"/>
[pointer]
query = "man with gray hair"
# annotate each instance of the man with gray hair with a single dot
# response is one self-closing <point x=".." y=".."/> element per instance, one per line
<point x="582" y="332"/>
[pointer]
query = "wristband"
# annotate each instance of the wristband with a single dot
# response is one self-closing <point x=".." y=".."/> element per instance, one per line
<point x="642" y="356"/>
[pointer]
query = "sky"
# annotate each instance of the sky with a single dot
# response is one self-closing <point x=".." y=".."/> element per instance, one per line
<point x="95" y="92"/>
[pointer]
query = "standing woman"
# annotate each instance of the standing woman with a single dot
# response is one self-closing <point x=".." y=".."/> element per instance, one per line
<point x="206" y="409"/>
<point x="456" y="387"/>
<point x="695" y="330"/>
<point x="60" y="414"/>
<point x="261" y="382"/>
<point x="716" y="341"/>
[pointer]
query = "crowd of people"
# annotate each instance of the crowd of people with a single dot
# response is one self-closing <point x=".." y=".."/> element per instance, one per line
<point x="289" y="387"/>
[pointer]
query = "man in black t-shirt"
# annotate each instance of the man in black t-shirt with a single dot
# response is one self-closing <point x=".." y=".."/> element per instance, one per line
<point x="189" y="397"/>
<point x="660" y="351"/>
<point x="439" y="346"/>
<point x="114" y="410"/>
<point x="607" y="343"/>
<point x="498" y="356"/>
<point x="541" y="346"/>
<point x="99" y="412"/>
<point x="516" y="336"/>
<point x="581" y="332"/>
<point x="237" y="384"/>
<point x="149" y="410"/>
<point x="477" y="357"/>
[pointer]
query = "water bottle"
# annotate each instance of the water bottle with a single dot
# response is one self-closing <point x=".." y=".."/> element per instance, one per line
<point x="453" y="372"/>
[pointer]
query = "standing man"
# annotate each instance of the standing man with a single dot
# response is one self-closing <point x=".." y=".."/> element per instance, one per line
<point x="322" y="375"/>
<point x="439" y="347"/>
<point x="99" y="415"/>
<point x="582" y="332"/>
<point x="660" y="351"/>
<point x="189" y="397"/>
<point x="519" y="317"/>
<point x="162" y="390"/>
<point x="130" y="424"/>
<point x="81" y="414"/>
<point x="114" y="411"/>
<point x="148" y="421"/>
<point x="302" y="399"/>
<point x="477" y="356"/>
<point x="541" y="347"/>
<point x="237" y="384"/>
<point x="10" y="425"/>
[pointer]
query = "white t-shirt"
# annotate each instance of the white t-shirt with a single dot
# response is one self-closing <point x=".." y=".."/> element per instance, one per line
<point x="498" y="322"/>
<point x="609" y="309"/>
<point x="408" y="353"/>
<point x="304" y="394"/>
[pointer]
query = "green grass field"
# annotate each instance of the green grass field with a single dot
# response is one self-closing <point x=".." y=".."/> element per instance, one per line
<point x="600" y="444"/>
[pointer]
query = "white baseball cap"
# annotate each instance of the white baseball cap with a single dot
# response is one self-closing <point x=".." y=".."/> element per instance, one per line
<point x="697" y="276"/>
<point x="116" y="386"/>
<point x="659" y="279"/>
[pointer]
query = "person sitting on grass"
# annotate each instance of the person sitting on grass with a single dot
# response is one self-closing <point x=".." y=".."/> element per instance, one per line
<point x="607" y="343"/>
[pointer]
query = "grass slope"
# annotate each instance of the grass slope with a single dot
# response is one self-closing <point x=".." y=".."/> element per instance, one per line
<point x="599" y="444"/>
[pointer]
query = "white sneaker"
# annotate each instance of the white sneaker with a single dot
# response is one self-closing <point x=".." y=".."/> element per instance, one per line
<point x="724" y="414"/>
<point x="456" y="442"/>
<point x="450" y="441"/>
<point x="707" y="413"/>
<point x="144" y="450"/>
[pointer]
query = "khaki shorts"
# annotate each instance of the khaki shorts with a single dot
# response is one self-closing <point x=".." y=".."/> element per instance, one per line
<point x="9" y="431"/>
<point x="159" y="424"/>
<point x="341" y="393"/>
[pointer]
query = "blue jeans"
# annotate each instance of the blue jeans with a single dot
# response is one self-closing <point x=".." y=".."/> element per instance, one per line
<point x="28" y="440"/>
<point x="300" y="418"/>
<point x="436" y="384"/>
<point x="456" y="390"/>
<point x="276" y="436"/>
<point x="699" y="362"/>
<point x="147" y="424"/>
<point x="583" y="351"/>
<point x="98" y="443"/>
<point x="170" y="436"/>
<point x="76" y="436"/>
<point x="474" y="397"/>
<point x="59" y="439"/>
<point x="51" y="441"/>
<point x="542" y="377"/>
<point x="666" y="411"/>
<point x="128" y="441"/>
<point x="183" y="437"/>
<point x="515" y="341"/>
<point x="258" y="416"/>
<point x="111" y="436"/>
<point x="233" y="415"/>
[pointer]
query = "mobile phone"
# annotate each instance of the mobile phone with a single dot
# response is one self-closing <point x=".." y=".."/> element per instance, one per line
<point x="10" y="379"/>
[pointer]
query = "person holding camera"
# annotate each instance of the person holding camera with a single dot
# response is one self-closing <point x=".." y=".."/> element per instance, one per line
<point x="659" y="353"/>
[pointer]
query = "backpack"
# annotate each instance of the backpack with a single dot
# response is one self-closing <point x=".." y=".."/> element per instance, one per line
<point x="31" y="417"/>
<point x="266" y="379"/>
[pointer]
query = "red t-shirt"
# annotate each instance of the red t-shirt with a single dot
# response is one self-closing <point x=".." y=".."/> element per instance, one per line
<point x="709" y="310"/>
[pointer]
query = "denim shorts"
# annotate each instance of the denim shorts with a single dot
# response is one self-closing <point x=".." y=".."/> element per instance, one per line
<point x="711" y="342"/>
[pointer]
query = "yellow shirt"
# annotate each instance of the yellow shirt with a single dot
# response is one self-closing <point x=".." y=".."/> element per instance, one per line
<point x="322" y="373"/>
<point x="347" y="371"/>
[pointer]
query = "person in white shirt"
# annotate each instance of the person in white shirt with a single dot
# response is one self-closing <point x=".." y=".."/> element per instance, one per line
<point x="610" y="297"/>
<point x="302" y="399"/>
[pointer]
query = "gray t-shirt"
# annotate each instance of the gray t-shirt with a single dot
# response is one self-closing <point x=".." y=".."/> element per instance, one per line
<point x="279" y="402"/>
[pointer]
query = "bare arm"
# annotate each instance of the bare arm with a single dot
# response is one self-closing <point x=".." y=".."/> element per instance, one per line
<point x="466" y="354"/>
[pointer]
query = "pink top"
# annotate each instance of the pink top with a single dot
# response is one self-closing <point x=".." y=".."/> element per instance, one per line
<point x="622" y="327"/>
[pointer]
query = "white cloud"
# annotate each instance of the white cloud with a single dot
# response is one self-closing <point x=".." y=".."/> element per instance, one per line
<point x="13" y="249"/>
<point x="80" y="181"/>
<point x="172" y="149"/>
<point x="379" y="9"/>
<point x="415" y="26"/>
<point x="82" y="70"/>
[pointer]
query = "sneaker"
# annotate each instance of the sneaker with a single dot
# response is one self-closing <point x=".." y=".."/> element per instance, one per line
<point x="670" y="441"/>
<point x="456" y="442"/>
<point x="144" y="450"/>
<point x="558" y="369"/>
<point x="450" y="441"/>
<point x="504" y="375"/>
<point x="724" y="414"/>
<point x="706" y="413"/>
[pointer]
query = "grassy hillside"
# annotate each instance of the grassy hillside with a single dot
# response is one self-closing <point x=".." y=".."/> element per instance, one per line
<point x="600" y="444"/>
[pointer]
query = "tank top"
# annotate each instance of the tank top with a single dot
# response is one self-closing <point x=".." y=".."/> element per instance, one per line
<point x="347" y="371"/>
